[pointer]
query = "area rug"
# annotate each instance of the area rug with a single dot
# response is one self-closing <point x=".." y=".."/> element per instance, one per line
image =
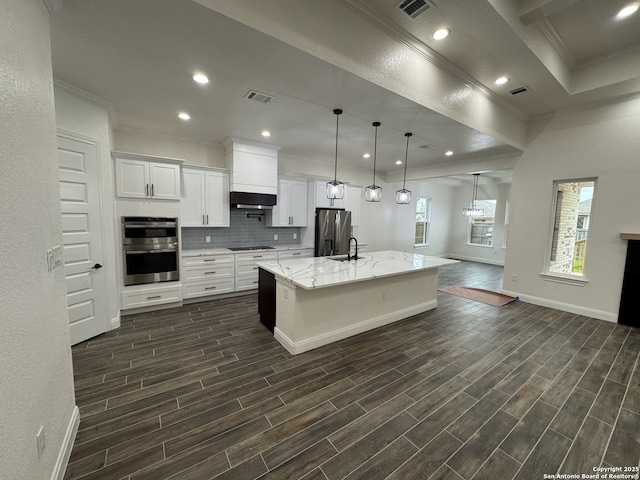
<point x="479" y="295"/>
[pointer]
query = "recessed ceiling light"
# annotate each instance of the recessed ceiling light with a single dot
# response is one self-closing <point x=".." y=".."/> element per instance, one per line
<point x="366" y="155"/>
<point x="441" y="34"/>
<point x="266" y="133"/>
<point x="398" y="162"/>
<point x="628" y="10"/>
<point x="502" y="80"/>
<point x="184" y="116"/>
<point x="200" y="78"/>
<point x="448" y="153"/>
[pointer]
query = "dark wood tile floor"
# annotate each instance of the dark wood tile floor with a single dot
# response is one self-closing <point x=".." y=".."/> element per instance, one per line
<point x="464" y="391"/>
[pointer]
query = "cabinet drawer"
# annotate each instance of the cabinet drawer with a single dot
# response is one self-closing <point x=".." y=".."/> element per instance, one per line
<point x="306" y="253"/>
<point x="204" y="272"/>
<point x="256" y="257"/>
<point x="201" y="289"/>
<point x="248" y="282"/>
<point x="207" y="260"/>
<point x="247" y="269"/>
<point x="156" y="296"/>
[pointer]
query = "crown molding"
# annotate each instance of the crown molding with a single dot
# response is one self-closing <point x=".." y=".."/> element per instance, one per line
<point x="90" y="97"/>
<point x="53" y="5"/>
<point x="590" y="106"/>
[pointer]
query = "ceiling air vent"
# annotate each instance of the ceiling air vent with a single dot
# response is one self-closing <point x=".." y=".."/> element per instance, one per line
<point x="413" y="8"/>
<point x="518" y="90"/>
<point x="426" y="146"/>
<point x="258" y="97"/>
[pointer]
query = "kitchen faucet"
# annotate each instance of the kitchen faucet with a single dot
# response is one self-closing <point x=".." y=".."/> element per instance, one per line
<point x="355" y="257"/>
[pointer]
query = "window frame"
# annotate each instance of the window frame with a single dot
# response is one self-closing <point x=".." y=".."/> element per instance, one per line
<point x="427" y="223"/>
<point x="566" y="278"/>
<point x="470" y="226"/>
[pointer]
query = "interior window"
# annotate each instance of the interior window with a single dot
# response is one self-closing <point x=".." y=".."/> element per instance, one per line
<point x="481" y="226"/>
<point x="571" y="223"/>
<point x="423" y="218"/>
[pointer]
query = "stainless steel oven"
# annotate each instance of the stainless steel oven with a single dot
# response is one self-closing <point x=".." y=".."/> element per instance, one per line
<point x="150" y="250"/>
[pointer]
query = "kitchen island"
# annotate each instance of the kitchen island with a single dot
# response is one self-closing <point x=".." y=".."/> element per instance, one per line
<point x="311" y="302"/>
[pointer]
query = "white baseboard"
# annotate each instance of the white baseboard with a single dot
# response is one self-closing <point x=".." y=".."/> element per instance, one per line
<point x="477" y="259"/>
<point x="67" y="444"/>
<point x="565" y="307"/>
<point x="115" y="322"/>
<point x="333" y="336"/>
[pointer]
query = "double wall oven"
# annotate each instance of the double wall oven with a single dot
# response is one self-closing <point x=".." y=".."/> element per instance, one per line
<point x="150" y="250"/>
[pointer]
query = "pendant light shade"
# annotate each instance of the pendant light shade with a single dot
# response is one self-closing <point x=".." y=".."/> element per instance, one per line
<point x="335" y="189"/>
<point x="474" y="211"/>
<point x="373" y="193"/>
<point x="403" y="197"/>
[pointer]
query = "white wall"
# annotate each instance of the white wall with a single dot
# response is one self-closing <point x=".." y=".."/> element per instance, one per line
<point x="163" y="145"/>
<point x="36" y="379"/>
<point x="459" y="231"/>
<point x="82" y="117"/>
<point x="600" y="143"/>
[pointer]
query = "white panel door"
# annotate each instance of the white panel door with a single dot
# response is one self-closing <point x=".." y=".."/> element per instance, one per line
<point x="82" y="238"/>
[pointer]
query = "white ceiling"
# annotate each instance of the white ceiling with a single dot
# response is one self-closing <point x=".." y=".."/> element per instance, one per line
<point x="139" y="55"/>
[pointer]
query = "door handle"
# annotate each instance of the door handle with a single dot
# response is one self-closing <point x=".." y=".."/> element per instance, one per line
<point x="97" y="266"/>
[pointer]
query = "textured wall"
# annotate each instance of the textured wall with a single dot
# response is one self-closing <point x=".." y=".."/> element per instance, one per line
<point x="36" y="385"/>
<point x="600" y="142"/>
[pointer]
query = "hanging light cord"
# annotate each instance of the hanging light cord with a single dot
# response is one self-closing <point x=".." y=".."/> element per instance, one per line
<point x="335" y="172"/>
<point x="375" y="150"/>
<point x="406" y="156"/>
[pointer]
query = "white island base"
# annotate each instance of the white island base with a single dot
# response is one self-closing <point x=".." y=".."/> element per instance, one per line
<point x="363" y="296"/>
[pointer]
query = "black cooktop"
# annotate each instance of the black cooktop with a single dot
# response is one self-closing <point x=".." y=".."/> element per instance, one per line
<point x="239" y="249"/>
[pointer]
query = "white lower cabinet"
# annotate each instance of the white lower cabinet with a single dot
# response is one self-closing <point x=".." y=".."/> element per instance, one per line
<point x="207" y="275"/>
<point x="247" y="270"/>
<point x="148" y="296"/>
<point x="291" y="254"/>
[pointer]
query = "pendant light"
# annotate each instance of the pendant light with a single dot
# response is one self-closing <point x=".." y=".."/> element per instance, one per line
<point x="373" y="193"/>
<point x="403" y="197"/>
<point x="474" y="211"/>
<point x="335" y="189"/>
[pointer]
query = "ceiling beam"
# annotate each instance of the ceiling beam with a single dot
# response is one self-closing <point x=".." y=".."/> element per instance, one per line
<point x="534" y="10"/>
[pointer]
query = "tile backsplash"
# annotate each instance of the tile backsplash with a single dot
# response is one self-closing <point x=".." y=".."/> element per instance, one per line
<point x="243" y="232"/>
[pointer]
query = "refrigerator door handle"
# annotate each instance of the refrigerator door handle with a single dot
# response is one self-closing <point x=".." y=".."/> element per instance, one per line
<point x="336" y="236"/>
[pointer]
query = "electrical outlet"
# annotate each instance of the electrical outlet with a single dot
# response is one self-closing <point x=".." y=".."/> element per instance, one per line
<point x="57" y="256"/>
<point x="275" y="236"/>
<point x="207" y="239"/>
<point x="295" y="235"/>
<point x="40" y="441"/>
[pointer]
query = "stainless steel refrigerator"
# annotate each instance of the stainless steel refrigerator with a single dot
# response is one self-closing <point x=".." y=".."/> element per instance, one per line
<point x="333" y="229"/>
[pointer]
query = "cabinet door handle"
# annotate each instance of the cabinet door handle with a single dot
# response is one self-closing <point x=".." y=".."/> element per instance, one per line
<point x="203" y="220"/>
<point x="209" y="259"/>
<point x="209" y="273"/>
<point x="297" y="253"/>
<point x="154" y="297"/>
<point x="255" y="268"/>
<point x="210" y="288"/>
<point x="146" y="190"/>
<point x="257" y="256"/>
<point x="207" y="219"/>
<point x="152" y="189"/>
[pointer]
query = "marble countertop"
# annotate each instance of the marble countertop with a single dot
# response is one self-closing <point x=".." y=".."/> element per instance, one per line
<point x="319" y="272"/>
<point x="197" y="252"/>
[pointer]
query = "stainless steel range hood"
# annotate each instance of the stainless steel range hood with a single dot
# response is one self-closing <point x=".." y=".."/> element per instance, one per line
<point x="261" y="201"/>
<point x="253" y="169"/>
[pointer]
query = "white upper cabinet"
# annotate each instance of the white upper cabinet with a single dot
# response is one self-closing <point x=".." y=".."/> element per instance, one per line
<point x="291" y="209"/>
<point x="205" y="198"/>
<point x="353" y="197"/>
<point x="146" y="177"/>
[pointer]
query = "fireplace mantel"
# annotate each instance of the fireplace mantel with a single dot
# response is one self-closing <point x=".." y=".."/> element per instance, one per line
<point x="630" y="236"/>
